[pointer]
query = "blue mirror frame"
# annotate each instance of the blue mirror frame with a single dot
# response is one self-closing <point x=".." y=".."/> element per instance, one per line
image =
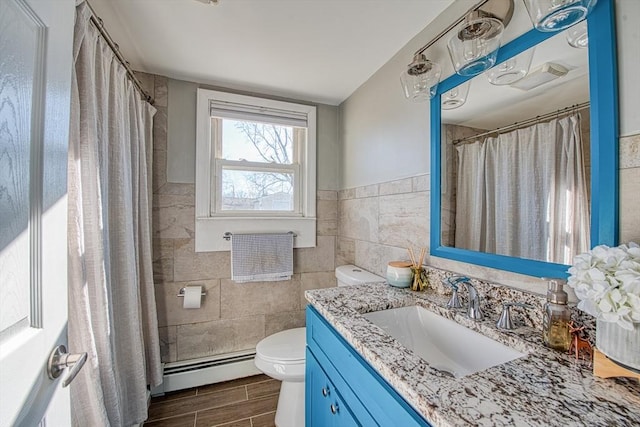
<point x="603" y="93"/>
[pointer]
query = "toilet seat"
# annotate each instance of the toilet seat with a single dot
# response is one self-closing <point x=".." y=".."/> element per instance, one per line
<point x="286" y="347"/>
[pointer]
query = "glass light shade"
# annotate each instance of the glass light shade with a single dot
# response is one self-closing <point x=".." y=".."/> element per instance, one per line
<point x="557" y="15"/>
<point x="511" y="70"/>
<point x="420" y="79"/>
<point x="577" y="36"/>
<point x="474" y="47"/>
<point x="456" y="97"/>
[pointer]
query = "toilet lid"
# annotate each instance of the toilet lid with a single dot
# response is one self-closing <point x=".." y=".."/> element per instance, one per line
<point x="287" y="345"/>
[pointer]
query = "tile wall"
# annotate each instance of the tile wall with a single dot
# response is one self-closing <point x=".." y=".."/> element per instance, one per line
<point x="233" y="317"/>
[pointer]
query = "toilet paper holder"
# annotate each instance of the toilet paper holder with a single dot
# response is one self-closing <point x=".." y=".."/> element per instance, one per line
<point x="182" y="290"/>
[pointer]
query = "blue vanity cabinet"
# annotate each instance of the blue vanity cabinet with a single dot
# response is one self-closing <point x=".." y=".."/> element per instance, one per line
<point x="363" y="397"/>
<point x="325" y="406"/>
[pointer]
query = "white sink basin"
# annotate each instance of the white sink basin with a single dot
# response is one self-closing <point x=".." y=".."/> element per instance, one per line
<point x="443" y="343"/>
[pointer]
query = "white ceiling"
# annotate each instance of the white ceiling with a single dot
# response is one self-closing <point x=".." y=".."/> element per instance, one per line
<point x="313" y="50"/>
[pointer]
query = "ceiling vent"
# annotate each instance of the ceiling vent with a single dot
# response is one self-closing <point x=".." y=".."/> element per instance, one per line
<point x="544" y="74"/>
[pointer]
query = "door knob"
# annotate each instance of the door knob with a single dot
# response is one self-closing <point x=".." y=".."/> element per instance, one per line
<point x="60" y="359"/>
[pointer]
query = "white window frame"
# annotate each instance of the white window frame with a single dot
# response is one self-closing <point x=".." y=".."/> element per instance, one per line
<point x="211" y="221"/>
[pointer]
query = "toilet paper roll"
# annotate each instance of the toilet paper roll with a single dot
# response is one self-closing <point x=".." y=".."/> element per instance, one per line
<point x="192" y="297"/>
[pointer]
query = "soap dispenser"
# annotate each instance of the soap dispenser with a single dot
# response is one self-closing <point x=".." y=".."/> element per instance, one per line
<point x="556" y="318"/>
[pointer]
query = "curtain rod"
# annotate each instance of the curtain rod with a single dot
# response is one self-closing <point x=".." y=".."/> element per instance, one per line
<point x="97" y="21"/>
<point x="524" y="123"/>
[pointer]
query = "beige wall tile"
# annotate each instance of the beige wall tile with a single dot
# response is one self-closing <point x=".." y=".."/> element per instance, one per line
<point x="327" y="209"/>
<point x="178" y="189"/>
<point x="327" y="195"/>
<point x="421" y="182"/>
<point x="327" y="213"/>
<point x="245" y="299"/>
<point x="316" y="281"/>
<point x="327" y="227"/>
<point x="358" y="219"/>
<point x="192" y="265"/>
<point x="630" y="152"/>
<point x="170" y="307"/>
<point x="348" y="193"/>
<point x="168" y="349"/>
<point x="159" y="168"/>
<point x="630" y="205"/>
<point x="173" y="217"/>
<point x="147" y="81"/>
<point x="161" y="91"/>
<point x="163" y="270"/>
<point x="162" y="248"/>
<point x="320" y="258"/>
<point x="219" y="337"/>
<point x="277" y="322"/>
<point x="369" y="256"/>
<point x="160" y="129"/>
<point x="404" y="219"/>
<point x="396" y="187"/>
<point x="345" y="251"/>
<point x="367" y="191"/>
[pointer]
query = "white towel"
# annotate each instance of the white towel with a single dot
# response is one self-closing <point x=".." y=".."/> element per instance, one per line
<point x="261" y="257"/>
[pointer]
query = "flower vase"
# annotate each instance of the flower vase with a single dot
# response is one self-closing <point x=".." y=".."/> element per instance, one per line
<point x="619" y="344"/>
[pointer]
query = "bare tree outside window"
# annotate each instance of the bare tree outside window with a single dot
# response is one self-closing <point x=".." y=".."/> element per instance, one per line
<point x="261" y="190"/>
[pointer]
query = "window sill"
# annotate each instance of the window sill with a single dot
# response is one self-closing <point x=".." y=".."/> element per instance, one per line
<point x="210" y="231"/>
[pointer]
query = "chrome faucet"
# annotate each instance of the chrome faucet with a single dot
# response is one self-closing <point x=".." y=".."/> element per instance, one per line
<point x="473" y="310"/>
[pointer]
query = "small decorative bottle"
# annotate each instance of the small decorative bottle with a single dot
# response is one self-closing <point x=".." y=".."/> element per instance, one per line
<point x="556" y="318"/>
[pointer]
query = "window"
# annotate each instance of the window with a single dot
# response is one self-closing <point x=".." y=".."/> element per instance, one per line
<point x="255" y="168"/>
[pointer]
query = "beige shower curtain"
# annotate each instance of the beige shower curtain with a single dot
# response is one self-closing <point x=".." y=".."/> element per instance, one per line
<point x="525" y="193"/>
<point x="112" y="311"/>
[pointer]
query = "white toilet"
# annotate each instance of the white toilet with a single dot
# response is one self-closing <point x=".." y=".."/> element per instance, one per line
<point x="281" y="356"/>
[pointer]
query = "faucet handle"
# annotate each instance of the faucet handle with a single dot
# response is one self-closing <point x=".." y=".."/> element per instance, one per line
<point x="504" y="322"/>
<point x="454" y="302"/>
<point x="452" y="282"/>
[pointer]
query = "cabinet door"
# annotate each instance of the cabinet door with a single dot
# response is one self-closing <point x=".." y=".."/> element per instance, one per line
<point x="324" y="405"/>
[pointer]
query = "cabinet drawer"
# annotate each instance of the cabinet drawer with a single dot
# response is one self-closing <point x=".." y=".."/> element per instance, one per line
<point x="348" y="370"/>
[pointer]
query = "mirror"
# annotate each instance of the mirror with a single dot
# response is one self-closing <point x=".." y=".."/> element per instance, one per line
<point x="590" y="78"/>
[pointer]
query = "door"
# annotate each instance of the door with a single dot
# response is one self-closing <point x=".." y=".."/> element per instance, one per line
<point x="36" y="38"/>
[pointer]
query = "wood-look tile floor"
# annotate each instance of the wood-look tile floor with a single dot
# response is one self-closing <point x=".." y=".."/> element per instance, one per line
<point x="245" y="402"/>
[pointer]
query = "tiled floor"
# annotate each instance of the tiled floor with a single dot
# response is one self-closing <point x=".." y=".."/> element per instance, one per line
<point x="245" y="402"/>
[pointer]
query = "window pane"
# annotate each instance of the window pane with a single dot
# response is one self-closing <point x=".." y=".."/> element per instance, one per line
<point x="257" y="191"/>
<point x="257" y="142"/>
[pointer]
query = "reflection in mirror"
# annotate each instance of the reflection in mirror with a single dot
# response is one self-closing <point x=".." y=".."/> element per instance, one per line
<point x="515" y="157"/>
<point x="484" y="111"/>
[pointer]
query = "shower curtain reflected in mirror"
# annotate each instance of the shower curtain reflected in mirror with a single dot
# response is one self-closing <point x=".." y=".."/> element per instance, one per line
<point x="524" y="193"/>
<point x="112" y="310"/>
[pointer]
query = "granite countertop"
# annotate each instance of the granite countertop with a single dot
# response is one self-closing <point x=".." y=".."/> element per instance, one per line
<point x="543" y="388"/>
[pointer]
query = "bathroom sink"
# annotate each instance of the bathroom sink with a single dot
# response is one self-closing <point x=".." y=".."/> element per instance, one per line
<point x="443" y="343"/>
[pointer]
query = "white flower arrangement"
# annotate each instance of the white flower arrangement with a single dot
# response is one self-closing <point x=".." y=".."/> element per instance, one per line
<point x="607" y="282"/>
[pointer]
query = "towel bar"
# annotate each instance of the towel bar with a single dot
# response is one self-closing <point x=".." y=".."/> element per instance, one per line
<point x="227" y="235"/>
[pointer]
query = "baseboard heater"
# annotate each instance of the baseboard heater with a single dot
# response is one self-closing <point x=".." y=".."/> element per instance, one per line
<point x="206" y="370"/>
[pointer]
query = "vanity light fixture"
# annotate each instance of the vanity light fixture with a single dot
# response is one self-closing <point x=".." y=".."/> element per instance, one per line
<point x="456" y="97"/>
<point x="511" y="70"/>
<point x="577" y="36"/>
<point x="557" y="15"/>
<point x="473" y="48"/>
<point x="420" y="79"/>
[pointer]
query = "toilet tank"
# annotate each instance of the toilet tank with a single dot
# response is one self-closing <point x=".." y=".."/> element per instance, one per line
<point x="354" y="275"/>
